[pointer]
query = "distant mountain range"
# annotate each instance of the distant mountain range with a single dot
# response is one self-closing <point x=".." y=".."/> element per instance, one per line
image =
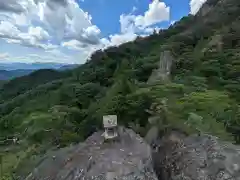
<point x="68" y="66"/>
<point x="6" y="75"/>
<point x="13" y="70"/>
<point x="34" y="66"/>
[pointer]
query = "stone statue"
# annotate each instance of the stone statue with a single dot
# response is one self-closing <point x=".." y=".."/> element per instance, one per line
<point x="110" y="126"/>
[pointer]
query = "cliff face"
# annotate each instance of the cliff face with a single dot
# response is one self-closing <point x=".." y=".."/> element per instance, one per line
<point x="128" y="158"/>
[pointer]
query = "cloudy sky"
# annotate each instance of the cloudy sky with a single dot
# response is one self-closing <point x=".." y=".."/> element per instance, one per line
<point x="68" y="31"/>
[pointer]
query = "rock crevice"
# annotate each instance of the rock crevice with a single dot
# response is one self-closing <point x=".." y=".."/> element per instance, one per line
<point x="196" y="158"/>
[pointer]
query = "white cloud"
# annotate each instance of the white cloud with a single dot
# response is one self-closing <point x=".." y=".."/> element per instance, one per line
<point x="134" y="25"/>
<point x="32" y="38"/>
<point x="72" y="44"/>
<point x="91" y="33"/>
<point x="70" y="21"/>
<point x="13" y="41"/>
<point x="54" y="18"/>
<point x="63" y="18"/>
<point x="157" y="12"/>
<point x="47" y="57"/>
<point x="118" y="39"/>
<point x="63" y="27"/>
<point x="61" y="22"/>
<point x="149" y="30"/>
<point x="195" y="5"/>
<point x="20" y="19"/>
<point x="23" y="17"/>
<point x="8" y="30"/>
<point x="84" y="52"/>
<point x="12" y="6"/>
<point x="48" y="46"/>
<point x="3" y="56"/>
<point x="105" y="42"/>
<point x="127" y="23"/>
<point x="134" y="9"/>
<point x="38" y="33"/>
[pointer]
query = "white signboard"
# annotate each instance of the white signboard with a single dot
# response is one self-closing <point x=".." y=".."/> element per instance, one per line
<point x="110" y="121"/>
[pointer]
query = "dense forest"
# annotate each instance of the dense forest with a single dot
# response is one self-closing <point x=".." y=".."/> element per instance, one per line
<point x="49" y="109"/>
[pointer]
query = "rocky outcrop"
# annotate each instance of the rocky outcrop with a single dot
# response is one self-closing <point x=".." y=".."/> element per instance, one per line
<point x="215" y="44"/>
<point x="196" y="158"/>
<point x="127" y="158"/>
<point x="177" y="157"/>
<point x="164" y="68"/>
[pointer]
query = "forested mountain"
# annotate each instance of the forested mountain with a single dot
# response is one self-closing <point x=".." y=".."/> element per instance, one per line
<point x="32" y="66"/>
<point x="6" y="75"/>
<point x="14" y="70"/>
<point x="49" y="109"/>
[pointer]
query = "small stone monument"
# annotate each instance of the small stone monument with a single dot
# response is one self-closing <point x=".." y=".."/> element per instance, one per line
<point x="110" y="126"/>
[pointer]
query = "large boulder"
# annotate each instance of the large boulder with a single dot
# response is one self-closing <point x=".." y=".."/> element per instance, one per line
<point x="126" y="158"/>
<point x="196" y="158"/>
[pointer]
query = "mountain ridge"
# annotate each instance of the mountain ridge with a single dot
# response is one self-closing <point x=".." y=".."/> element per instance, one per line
<point x="33" y="66"/>
<point x="14" y="70"/>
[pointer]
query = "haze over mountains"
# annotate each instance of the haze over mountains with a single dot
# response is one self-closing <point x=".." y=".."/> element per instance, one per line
<point x="13" y="70"/>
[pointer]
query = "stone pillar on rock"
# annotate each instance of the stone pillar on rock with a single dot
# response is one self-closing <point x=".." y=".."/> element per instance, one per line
<point x="110" y="126"/>
<point x="162" y="73"/>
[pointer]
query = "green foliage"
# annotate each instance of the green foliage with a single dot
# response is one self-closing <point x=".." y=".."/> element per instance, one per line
<point x="212" y="106"/>
<point x="204" y="111"/>
<point x="6" y="177"/>
<point x="58" y="126"/>
<point x="13" y="88"/>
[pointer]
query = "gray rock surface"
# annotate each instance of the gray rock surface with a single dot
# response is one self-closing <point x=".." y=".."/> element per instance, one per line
<point x="152" y="135"/>
<point x="127" y="158"/>
<point x="196" y="158"/>
<point x="164" y="68"/>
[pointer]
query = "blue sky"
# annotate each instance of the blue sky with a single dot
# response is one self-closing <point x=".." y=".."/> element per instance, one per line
<point x="106" y="13"/>
<point x="69" y="31"/>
